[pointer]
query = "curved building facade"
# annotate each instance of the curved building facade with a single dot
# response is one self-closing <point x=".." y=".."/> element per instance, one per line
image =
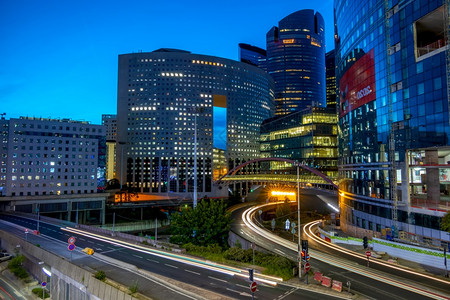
<point x="296" y="61"/>
<point x="163" y="95"/>
<point x="393" y="118"/>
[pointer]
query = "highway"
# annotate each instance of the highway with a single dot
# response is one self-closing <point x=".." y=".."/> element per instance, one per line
<point x="222" y="280"/>
<point x="370" y="282"/>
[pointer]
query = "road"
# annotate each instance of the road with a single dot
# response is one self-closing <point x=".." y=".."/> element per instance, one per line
<point x="363" y="280"/>
<point x="231" y="282"/>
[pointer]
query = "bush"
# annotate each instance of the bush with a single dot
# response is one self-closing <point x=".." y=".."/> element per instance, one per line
<point x="39" y="291"/>
<point x="133" y="288"/>
<point x="100" y="275"/>
<point x="15" y="266"/>
<point x="234" y="253"/>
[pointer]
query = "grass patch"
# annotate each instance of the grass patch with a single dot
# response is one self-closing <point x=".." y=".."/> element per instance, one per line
<point x="100" y="275"/>
<point x="134" y="287"/>
<point x="39" y="291"/>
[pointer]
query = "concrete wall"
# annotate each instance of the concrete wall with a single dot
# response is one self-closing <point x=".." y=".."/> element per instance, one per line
<point x="68" y="281"/>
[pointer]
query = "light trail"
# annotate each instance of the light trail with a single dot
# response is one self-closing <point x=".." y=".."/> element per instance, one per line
<point x="247" y="219"/>
<point x="271" y="280"/>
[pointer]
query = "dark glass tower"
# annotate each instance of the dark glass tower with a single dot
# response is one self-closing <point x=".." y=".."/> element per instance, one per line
<point x="296" y="61"/>
<point x="331" y="79"/>
<point x="253" y="55"/>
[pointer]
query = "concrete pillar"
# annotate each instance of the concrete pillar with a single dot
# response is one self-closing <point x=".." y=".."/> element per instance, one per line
<point x="69" y="210"/>
<point x="433" y="185"/>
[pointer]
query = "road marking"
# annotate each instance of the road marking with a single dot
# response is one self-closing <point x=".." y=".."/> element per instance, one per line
<point x="192" y="272"/>
<point x="90" y="242"/>
<point x="82" y="239"/>
<point x="242" y="286"/>
<point x="111" y="248"/>
<point x="287" y="293"/>
<point x="175" y="267"/>
<point x="155" y="261"/>
<point x="137" y="256"/>
<point x="66" y="234"/>
<point x="60" y="232"/>
<point x="218" y="279"/>
<point x="279" y="251"/>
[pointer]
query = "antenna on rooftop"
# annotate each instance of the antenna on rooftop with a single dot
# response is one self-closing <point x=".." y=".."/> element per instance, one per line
<point x="3" y="115"/>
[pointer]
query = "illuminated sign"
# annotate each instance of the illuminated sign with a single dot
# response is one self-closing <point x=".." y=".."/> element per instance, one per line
<point x="278" y="193"/>
<point x="357" y="85"/>
<point x="289" y="41"/>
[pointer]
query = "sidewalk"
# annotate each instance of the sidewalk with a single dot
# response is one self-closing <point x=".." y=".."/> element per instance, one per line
<point x="20" y="286"/>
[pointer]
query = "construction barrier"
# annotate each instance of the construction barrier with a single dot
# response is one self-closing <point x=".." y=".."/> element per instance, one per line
<point x="337" y="286"/>
<point x="326" y="281"/>
<point x="318" y="276"/>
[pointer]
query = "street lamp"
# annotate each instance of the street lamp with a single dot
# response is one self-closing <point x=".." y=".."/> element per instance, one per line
<point x="121" y="163"/>
<point x="297" y="164"/>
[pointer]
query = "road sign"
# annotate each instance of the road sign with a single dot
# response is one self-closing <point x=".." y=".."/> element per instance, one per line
<point x="71" y="247"/>
<point x="273" y="224"/>
<point x="71" y="240"/>
<point x="368" y="253"/>
<point x="287" y="224"/>
<point x="293" y="230"/>
<point x="44" y="283"/>
<point x="293" y="224"/>
<point x="307" y="267"/>
<point x="307" y="257"/>
<point x="253" y="287"/>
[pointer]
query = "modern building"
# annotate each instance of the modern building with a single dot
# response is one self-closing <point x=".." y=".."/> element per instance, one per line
<point x="331" y="79"/>
<point x="253" y="55"/>
<point x="296" y="61"/>
<point x="163" y="96"/>
<point x="110" y="123"/>
<point x="52" y="164"/>
<point x="308" y="136"/>
<point x="392" y="71"/>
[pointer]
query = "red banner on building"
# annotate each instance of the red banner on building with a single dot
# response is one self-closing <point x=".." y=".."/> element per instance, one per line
<point x="357" y="85"/>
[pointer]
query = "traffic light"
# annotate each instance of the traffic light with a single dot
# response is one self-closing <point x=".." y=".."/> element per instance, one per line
<point x="303" y="255"/>
<point x="365" y="242"/>
<point x="304" y="249"/>
<point x="250" y="274"/>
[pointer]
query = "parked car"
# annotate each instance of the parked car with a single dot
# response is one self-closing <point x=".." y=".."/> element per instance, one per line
<point x="5" y="256"/>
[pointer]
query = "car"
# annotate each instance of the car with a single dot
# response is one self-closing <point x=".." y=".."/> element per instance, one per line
<point x="5" y="256"/>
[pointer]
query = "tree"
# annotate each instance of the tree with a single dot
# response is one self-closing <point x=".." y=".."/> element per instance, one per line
<point x="207" y="224"/>
<point x="445" y="223"/>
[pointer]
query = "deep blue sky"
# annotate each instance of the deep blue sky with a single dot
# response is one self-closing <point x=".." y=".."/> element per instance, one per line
<point x="59" y="58"/>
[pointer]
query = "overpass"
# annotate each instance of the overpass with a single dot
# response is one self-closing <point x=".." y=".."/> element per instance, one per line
<point x="309" y="177"/>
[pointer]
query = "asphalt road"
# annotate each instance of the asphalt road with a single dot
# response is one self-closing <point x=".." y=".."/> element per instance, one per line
<point x="217" y="282"/>
<point x="366" y="286"/>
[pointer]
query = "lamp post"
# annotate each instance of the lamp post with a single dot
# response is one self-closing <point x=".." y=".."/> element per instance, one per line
<point x="299" y="224"/>
<point x="121" y="164"/>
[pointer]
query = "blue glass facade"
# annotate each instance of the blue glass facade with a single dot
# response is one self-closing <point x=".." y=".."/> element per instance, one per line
<point x="253" y="55"/>
<point x="392" y="100"/>
<point x="296" y="61"/>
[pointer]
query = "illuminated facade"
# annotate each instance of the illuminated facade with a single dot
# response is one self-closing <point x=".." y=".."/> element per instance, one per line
<point x="51" y="157"/>
<point x="159" y="95"/>
<point x="308" y="136"/>
<point x="296" y="61"/>
<point x="331" y="79"/>
<point x="394" y="118"/>
<point x="110" y="123"/>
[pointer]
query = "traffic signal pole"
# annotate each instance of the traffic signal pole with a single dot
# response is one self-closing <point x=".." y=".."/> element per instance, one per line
<point x="299" y="224"/>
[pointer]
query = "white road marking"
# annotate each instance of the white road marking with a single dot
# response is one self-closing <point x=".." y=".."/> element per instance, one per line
<point x="175" y="267"/>
<point x="192" y="272"/>
<point x="137" y="256"/>
<point x="218" y="279"/>
<point x="152" y="260"/>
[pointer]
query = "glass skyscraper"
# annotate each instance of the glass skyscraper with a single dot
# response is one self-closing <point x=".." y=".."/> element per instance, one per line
<point x="296" y="61"/>
<point x="392" y="66"/>
<point x="253" y="55"/>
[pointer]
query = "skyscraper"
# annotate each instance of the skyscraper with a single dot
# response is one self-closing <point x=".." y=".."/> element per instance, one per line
<point x="253" y="55"/>
<point x="331" y="79"/>
<point x="392" y="71"/>
<point x="296" y="61"/>
<point x="163" y="96"/>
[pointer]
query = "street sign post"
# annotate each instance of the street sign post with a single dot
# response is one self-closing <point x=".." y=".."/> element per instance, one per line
<point x="307" y="267"/>
<point x="44" y="283"/>
<point x="71" y="240"/>
<point x="253" y="287"/>
<point x="273" y="224"/>
<point x="368" y="254"/>
<point x="287" y="224"/>
<point x="71" y="247"/>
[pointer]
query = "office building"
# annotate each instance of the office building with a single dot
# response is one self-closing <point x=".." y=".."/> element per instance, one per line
<point x="163" y="96"/>
<point x="296" y="61"/>
<point x="110" y="124"/>
<point x="54" y="165"/>
<point x="253" y="55"/>
<point x="308" y="136"/>
<point x="392" y="68"/>
<point x="331" y="79"/>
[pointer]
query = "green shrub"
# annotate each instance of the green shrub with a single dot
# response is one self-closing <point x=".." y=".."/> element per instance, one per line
<point x="133" y="288"/>
<point x="238" y="244"/>
<point x="100" y="275"/>
<point x="39" y="291"/>
<point x="15" y="266"/>
<point x="234" y="253"/>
